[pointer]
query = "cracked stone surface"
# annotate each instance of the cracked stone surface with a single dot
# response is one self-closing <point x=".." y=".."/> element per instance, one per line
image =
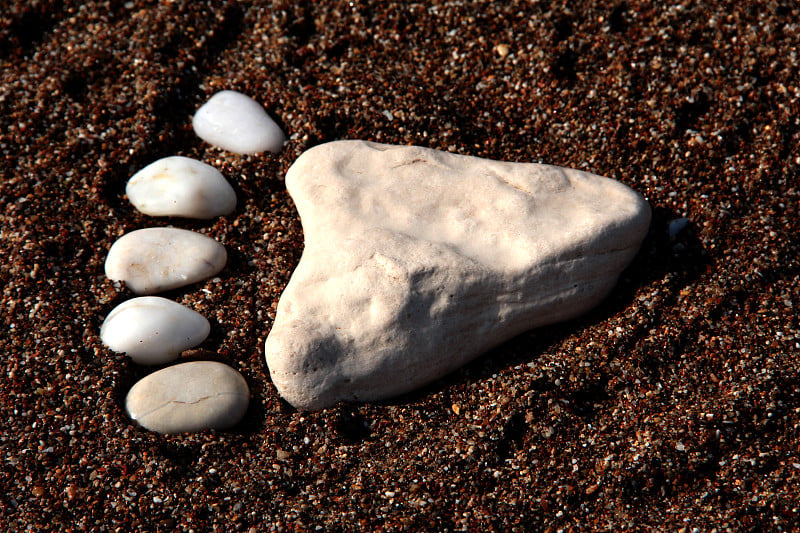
<point x="189" y="397"/>
<point x="417" y="261"/>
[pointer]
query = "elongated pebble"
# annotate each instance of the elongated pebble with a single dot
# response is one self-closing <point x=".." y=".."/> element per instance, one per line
<point x="181" y="187"/>
<point x="152" y="330"/>
<point x="237" y="123"/>
<point x="189" y="397"/>
<point x="152" y="260"/>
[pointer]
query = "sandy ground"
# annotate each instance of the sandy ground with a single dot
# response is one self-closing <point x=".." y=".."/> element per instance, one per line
<point x="673" y="406"/>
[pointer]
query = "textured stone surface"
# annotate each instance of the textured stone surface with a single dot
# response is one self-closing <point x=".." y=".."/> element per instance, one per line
<point x="152" y="260"/>
<point x="152" y="330"/>
<point x="189" y="397"/>
<point x="181" y="187"/>
<point x="416" y="261"/>
<point x="237" y="123"/>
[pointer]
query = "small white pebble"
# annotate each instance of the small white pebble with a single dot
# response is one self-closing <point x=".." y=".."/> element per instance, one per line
<point x="152" y="260"/>
<point x="237" y="123"/>
<point x="181" y="187"/>
<point x="189" y="397"/>
<point x="152" y="330"/>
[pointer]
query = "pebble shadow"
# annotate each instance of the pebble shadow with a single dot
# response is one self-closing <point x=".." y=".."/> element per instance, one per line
<point x="175" y="105"/>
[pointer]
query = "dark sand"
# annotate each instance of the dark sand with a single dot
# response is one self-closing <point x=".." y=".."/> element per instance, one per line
<point x="673" y="406"/>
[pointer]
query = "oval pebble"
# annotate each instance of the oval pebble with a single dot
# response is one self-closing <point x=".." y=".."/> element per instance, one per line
<point x="152" y="260"/>
<point x="237" y="123"/>
<point x="181" y="187"/>
<point x="152" y="330"/>
<point x="189" y="397"/>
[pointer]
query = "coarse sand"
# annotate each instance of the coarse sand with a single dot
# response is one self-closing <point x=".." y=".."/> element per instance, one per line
<point x="674" y="406"/>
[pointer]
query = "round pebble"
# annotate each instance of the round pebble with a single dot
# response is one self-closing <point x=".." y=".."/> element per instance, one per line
<point x="189" y="397"/>
<point x="181" y="187"/>
<point x="152" y="330"/>
<point x="237" y="123"/>
<point x="152" y="260"/>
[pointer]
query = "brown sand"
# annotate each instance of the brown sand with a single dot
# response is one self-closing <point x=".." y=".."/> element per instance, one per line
<point x="674" y="406"/>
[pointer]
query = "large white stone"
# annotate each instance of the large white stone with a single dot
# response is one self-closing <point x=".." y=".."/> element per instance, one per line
<point x="152" y="330"/>
<point x="237" y="123"/>
<point x="417" y="261"/>
<point x="152" y="260"/>
<point x="189" y="397"/>
<point x="181" y="187"/>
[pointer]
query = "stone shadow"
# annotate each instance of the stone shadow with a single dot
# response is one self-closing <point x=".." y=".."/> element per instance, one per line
<point x="671" y="251"/>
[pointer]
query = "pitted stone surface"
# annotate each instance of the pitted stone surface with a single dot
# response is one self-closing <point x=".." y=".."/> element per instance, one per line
<point x="417" y="261"/>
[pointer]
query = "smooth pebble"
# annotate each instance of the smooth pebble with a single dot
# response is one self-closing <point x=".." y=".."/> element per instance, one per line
<point x="152" y="330"/>
<point x="181" y="187"/>
<point x="189" y="397"/>
<point x="237" y="123"/>
<point x="152" y="260"/>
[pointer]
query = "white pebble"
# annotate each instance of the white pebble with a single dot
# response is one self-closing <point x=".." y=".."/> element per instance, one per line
<point x="158" y="259"/>
<point x="181" y="187"/>
<point x="189" y="397"/>
<point x="237" y="123"/>
<point x="152" y="330"/>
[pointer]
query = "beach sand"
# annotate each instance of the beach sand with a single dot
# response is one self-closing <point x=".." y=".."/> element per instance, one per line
<point x="675" y="405"/>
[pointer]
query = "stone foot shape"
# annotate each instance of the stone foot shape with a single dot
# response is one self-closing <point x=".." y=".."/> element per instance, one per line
<point x="416" y="261"/>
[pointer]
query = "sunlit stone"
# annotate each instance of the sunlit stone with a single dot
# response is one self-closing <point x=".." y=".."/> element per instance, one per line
<point x="237" y="123"/>
<point x="152" y="330"/>
<point x="181" y="187"/>
<point x="189" y="397"/>
<point x="417" y="261"/>
<point x="153" y="260"/>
